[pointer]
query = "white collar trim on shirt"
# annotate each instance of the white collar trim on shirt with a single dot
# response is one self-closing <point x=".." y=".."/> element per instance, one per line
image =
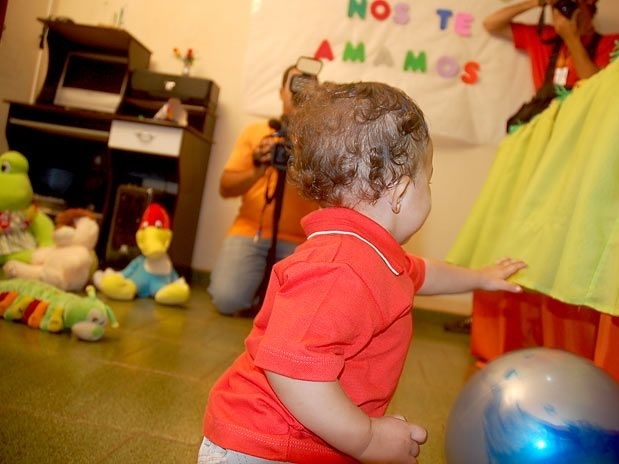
<point x="353" y="234"/>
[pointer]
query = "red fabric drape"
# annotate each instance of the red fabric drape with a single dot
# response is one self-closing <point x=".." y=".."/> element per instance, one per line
<point x="505" y="322"/>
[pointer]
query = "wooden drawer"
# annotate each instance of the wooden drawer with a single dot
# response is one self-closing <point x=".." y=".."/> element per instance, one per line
<point x="146" y="138"/>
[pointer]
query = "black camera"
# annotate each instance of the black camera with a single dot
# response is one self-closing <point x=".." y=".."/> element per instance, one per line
<point x="279" y="153"/>
<point x="566" y="7"/>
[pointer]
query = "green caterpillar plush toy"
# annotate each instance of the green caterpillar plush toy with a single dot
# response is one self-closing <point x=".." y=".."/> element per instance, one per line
<point x="43" y="306"/>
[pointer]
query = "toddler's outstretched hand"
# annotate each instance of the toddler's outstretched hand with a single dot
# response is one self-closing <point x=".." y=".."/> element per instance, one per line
<point x="393" y="441"/>
<point x="494" y="277"/>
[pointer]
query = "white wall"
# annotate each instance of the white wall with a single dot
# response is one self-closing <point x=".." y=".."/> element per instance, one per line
<point x="218" y="33"/>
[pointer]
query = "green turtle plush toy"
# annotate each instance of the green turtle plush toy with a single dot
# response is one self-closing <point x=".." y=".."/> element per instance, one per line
<point x="23" y="227"/>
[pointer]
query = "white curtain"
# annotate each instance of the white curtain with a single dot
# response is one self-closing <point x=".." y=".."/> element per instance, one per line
<point x="466" y="81"/>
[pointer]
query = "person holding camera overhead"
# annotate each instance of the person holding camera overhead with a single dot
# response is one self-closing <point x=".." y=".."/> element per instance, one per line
<point x="583" y="51"/>
<point x="249" y="174"/>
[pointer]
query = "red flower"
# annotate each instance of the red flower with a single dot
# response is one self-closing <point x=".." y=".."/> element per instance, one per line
<point x="187" y="58"/>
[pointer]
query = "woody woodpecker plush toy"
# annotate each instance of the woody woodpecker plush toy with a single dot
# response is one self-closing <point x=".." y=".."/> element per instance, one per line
<point x="151" y="274"/>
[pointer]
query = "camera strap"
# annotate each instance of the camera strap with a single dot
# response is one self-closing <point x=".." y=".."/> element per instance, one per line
<point x="541" y="23"/>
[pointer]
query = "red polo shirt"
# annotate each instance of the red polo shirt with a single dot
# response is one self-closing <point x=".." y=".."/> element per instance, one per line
<point x="338" y="309"/>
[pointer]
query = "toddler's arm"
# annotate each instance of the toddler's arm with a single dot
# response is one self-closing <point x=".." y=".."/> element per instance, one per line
<point x="326" y="410"/>
<point x="444" y="278"/>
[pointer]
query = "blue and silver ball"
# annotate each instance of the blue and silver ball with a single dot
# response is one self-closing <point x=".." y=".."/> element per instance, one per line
<point x="533" y="406"/>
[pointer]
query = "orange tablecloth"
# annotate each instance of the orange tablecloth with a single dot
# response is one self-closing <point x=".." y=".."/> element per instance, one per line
<point x="504" y="322"/>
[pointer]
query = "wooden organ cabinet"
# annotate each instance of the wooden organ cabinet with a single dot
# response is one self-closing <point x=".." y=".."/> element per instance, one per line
<point x="91" y="140"/>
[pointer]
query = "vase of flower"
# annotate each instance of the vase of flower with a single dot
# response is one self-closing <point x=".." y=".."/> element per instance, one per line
<point x="187" y="59"/>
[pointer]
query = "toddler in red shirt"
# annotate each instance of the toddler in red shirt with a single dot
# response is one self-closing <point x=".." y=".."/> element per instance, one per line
<point x="326" y="350"/>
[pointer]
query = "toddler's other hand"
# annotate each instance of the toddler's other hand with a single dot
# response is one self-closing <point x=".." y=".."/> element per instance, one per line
<point x="394" y="441"/>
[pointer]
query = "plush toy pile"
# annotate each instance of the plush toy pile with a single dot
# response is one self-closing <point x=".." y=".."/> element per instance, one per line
<point x="45" y="266"/>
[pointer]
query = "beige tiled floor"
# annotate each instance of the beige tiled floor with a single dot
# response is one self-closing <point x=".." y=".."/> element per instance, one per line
<point x="137" y="395"/>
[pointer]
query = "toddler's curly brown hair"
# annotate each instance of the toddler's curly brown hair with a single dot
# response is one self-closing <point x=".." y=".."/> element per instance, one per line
<point x="351" y="142"/>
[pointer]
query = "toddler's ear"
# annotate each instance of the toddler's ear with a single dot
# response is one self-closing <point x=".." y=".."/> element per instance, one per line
<point x="397" y="192"/>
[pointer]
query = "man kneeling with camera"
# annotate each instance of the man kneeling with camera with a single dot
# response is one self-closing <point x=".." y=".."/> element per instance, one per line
<point x="267" y="225"/>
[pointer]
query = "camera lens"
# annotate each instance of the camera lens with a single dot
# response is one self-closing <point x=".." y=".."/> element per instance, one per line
<point x="566" y="7"/>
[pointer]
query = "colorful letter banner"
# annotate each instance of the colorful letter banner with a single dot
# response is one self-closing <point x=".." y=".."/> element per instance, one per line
<point x="466" y="81"/>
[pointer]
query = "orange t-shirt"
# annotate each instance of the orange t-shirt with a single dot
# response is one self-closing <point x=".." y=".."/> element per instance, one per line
<point x="254" y="204"/>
